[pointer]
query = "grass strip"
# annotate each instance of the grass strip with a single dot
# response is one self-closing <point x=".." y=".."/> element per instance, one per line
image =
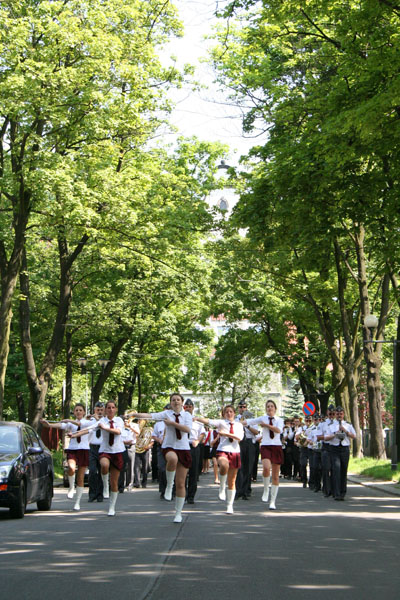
<point x="374" y="468"/>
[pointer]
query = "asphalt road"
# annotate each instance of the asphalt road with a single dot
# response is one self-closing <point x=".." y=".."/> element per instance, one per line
<point x="311" y="547"/>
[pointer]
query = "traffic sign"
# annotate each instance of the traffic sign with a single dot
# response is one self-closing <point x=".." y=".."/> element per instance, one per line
<point x="308" y="408"/>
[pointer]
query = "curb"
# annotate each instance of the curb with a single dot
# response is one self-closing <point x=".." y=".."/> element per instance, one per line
<point x="385" y="487"/>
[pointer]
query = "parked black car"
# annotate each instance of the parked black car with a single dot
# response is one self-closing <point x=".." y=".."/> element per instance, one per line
<point x="26" y="469"/>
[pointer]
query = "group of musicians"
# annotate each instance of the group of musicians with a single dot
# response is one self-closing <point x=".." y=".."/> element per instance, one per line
<point x="105" y="443"/>
<point x="323" y="444"/>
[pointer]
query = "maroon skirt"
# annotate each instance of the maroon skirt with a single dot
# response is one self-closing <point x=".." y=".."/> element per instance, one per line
<point x="81" y="457"/>
<point x="184" y="456"/>
<point x="273" y="453"/>
<point x="116" y="459"/>
<point x="233" y="458"/>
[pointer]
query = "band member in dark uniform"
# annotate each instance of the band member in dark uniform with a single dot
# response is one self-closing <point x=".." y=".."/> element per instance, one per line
<point x="326" y="459"/>
<point x="196" y="437"/>
<point x="247" y="452"/>
<point x="339" y="434"/>
<point x="95" y="481"/>
<point x="301" y="438"/>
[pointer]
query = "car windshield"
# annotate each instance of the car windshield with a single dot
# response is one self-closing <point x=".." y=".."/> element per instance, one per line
<point x="9" y="439"/>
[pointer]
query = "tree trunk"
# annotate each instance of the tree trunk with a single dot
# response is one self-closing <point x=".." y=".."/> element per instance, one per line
<point x="5" y="324"/>
<point x="339" y="383"/>
<point x="9" y="272"/>
<point x="105" y="373"/>
<point x="323" y="398"/>
<point x="125" y="396"/>
<point x="123" y="401"/>
<point x="371" y="354"/>
<point x="68" y="375"/>
<point x="21" y="407"/>
<point x="22" y="206"/>
<point x="39" y="383"/>
<point x="350" y="361"/>
<point x="34" y="384"/>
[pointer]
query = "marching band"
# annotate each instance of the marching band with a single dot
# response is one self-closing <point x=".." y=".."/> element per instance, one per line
<point x="315" y="453"/>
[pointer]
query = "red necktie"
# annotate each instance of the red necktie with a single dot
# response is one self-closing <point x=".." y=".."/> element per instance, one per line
<point x="178" y="433"/>
<point x="111" y="436"/>
<point x="207" y="438"/>
<point x="231" y="431"/>
<point x="78" y="439"/>
<point x="271" y="433"/>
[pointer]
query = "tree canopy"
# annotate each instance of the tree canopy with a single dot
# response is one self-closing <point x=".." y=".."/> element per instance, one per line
<point x="319" y="199"/>
<point x="101" y="226"/>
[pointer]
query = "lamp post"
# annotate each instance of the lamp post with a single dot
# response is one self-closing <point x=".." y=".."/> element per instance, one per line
<point x="103" y="362"/>
<point x="371" y="322"/>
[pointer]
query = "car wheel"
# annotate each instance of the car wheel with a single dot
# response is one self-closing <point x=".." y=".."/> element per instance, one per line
<point x="17" y="510"/>
<point x="45" y="503"/>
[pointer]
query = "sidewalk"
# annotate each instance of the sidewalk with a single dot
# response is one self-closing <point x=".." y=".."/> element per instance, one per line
<point x="387" y="487"/>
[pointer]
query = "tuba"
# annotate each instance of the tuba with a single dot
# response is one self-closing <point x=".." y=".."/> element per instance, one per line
<point x="143" y="440"/>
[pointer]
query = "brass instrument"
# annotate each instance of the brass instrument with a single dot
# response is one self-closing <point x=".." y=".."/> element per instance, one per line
<point x="340" y="435"/>
<point x="143" y="440"/>
<point x="302" y="440"/>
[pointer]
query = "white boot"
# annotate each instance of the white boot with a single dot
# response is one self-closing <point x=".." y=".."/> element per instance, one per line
<point x="230" y="494"/>
<point x="179" y="502"/>
<point x="71" y="491"/>
<point x="79" y="492"/>
<point x="170" y="484"/>
<point x="274" y="493"/>
<point x="265" y="495"/>
<point x="106" y="488"/>
<point x="111" y="506"/>
<point x="222" y="486"/>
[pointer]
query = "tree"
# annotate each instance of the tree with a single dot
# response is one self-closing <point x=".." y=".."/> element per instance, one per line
<point x="134" y="287"/>
<point x="314" y="75"/>
<point x="281" y="331"/>
<point x="80" y="88"/>
<point x="293" y="405"/>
